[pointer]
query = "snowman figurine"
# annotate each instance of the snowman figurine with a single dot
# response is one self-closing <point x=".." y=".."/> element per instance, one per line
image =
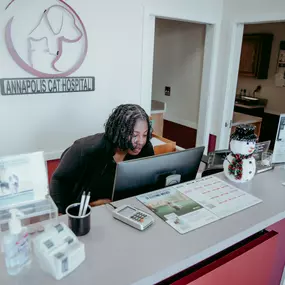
<point x="240" y="165"/>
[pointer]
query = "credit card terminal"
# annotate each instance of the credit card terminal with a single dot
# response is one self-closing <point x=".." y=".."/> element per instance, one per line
<point x="133" y="217"/>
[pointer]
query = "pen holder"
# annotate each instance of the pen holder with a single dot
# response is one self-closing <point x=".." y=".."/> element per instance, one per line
<point x="79" y="225"/>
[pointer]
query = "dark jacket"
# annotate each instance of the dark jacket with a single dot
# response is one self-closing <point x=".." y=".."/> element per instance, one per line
<point x="87" y="165"/>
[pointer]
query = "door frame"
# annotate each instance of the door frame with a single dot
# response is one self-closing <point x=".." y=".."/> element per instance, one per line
<point x="209" y="65"/>
<point x="233" y="67"/>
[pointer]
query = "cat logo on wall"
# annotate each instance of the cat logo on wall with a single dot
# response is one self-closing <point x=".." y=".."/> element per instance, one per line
<point x="48" y="39"/>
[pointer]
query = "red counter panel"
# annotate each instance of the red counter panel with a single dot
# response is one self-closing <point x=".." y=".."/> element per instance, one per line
<point x="249" y="263"/>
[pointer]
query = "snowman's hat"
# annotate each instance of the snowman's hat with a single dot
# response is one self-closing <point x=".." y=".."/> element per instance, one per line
<point x="244" y="133"/>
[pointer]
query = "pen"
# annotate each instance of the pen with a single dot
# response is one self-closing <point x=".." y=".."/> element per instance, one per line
<point x="81" y="204"/>
<point x="86" y="204"/>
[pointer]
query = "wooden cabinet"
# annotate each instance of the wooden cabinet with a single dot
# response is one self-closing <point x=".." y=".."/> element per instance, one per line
<point x="255" y="55"/>
<point x="157" y="123"/>
<point x="162" y="145"/>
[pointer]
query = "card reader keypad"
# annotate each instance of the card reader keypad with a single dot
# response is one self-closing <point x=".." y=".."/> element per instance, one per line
<point x="139" y="217"/>
<point x="133" y="217"/>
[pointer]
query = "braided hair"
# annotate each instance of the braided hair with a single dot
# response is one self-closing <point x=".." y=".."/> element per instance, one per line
<point x="120" y="125"/>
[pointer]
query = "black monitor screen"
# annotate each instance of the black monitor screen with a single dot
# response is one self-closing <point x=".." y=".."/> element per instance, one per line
<point x="143" y="175"/>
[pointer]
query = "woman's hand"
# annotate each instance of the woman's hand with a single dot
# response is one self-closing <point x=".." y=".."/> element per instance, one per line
<point x="99" y="202"/>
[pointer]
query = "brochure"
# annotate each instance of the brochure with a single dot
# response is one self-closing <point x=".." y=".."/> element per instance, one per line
<point x="193" y="204"/>
<point x="176" y="209"/>
<point x="23" y="179"/>
<point x="217" y="196"/>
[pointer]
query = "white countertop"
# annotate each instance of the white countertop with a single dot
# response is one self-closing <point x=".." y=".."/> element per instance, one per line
<point x="266" y="110"/>
<point x="240" y="118"/>
<point x="118" y="254"/>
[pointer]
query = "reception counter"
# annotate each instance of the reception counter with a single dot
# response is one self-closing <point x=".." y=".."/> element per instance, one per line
<point x="118" y="254"/>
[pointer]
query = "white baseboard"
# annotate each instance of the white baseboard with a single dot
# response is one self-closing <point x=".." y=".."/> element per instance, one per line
<point x="179" y="121"/>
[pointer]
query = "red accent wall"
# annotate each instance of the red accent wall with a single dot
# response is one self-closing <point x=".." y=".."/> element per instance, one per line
<point x="236" y="269"/>
<point x="184" y="136"/>
<point x="212" y="143"/>
<point x="238" y="265"/>
<point x="279" y="258"/>
<point x="51" y="166"/>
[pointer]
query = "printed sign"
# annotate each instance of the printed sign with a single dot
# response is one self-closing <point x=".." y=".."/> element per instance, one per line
<point x="25" y="86"/>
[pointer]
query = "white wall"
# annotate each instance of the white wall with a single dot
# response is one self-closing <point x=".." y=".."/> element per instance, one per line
<point x="234" y="12"/>
<point x="178" y="62"/>
<point x="115" y="31"/>
<point x="253" y="10"/>
<point x="52" y="122"/>
<point x="275" y="95"/>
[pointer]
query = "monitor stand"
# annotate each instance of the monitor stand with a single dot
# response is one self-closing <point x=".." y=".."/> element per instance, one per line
<point x="172" y="180"/>
<point x="167" y="179"/>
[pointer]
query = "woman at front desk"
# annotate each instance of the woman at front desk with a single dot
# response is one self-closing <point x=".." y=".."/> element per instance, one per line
<point x="90" y="163"/>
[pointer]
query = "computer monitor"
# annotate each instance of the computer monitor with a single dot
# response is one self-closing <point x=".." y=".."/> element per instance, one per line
<point x="143" y="175"/>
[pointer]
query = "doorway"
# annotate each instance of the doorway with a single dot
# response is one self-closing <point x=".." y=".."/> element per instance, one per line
<point x="176" y="81"/>
<point x="231" y="80"/>
<point x="211" y="45"/>
<point x="258" y="94"/>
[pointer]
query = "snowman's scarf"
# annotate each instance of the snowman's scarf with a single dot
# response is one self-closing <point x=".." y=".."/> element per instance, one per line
<point x="235" y="167"/>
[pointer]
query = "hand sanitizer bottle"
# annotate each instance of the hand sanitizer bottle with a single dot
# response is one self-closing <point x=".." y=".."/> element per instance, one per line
<point x="16" y="245"/>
